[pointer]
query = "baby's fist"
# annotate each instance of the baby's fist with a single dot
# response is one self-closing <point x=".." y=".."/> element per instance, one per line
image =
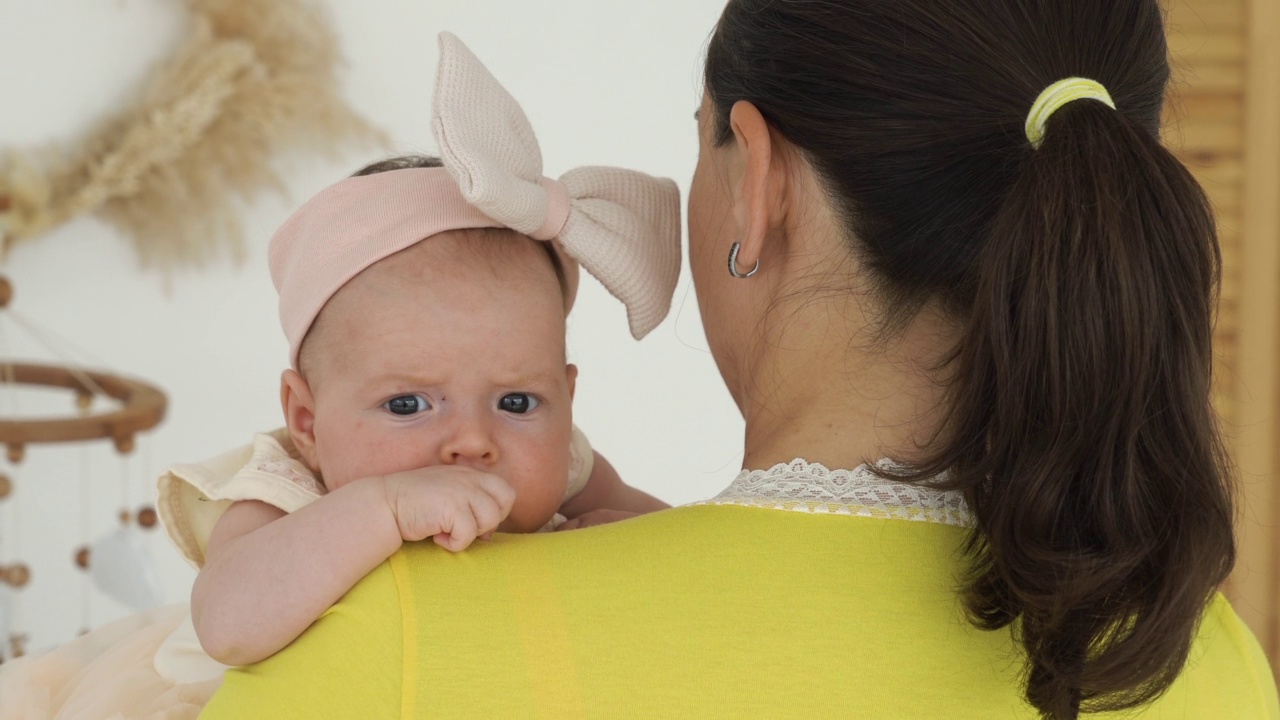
<point x="452" y="504"/>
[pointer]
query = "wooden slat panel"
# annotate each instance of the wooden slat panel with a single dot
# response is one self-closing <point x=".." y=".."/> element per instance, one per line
<point x="1212" y="105"/>
<point x="1225" y="173"/>
<point x="1257" y="442"/>
<point x="1227" y="56"/>
<point x="1224" y="136"/>
<point x="1229" y="206"/>
<point x="1205" y="126"/>
<point x="1214" y="45"/>
<point x="1210" y="77"/>
<point x="1199" y="16"/>
<point x="1194" y="48"/>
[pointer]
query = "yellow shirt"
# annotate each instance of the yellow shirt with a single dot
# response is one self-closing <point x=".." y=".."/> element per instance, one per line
<point x="698" y="612"/>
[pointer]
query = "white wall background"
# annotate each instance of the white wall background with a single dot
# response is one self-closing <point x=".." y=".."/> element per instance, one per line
<point x="603" y="83"/>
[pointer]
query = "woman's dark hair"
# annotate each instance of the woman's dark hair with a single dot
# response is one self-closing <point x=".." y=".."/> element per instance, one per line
<point x="1084" y="274"/>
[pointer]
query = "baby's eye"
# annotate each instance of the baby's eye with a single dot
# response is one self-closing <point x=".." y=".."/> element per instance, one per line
<point x="518" y="403"/>
<point x="407" y="405"/>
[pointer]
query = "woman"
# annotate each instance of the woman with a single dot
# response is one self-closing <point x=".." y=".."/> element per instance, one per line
<point x="937" y="253"/>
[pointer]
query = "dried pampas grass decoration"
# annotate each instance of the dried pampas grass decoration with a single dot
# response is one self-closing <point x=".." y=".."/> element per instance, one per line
<point x="251" y="79"/>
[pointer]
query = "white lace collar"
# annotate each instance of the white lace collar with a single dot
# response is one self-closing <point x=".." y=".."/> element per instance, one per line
<point x="801" y="486"/>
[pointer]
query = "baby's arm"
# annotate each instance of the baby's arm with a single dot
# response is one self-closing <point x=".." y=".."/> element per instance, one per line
<point x="605" y="490"/>
<point x="268" y="575"/>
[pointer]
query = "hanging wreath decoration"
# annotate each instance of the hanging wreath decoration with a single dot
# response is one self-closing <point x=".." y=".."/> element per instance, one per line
<point x="251" y="78"/>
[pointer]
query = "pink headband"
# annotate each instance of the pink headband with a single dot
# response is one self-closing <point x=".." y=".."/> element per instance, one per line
<point x="622" y="226"/>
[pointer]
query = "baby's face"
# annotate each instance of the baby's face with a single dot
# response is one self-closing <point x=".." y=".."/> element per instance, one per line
<point x="435" y="356"/>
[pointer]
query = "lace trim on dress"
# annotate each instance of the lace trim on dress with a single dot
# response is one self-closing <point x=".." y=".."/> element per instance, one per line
<point x="801" y="486"/>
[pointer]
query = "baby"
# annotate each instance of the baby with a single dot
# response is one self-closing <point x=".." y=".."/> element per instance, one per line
<point x="429" y="394"/>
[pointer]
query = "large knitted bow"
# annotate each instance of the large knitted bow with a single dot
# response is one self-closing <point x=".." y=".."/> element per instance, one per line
<point x="622" y="226"/>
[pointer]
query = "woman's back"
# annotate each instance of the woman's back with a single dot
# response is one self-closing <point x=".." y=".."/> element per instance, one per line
<point x="710" y="611"/>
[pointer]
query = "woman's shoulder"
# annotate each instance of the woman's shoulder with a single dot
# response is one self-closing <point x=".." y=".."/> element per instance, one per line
<point x="702" y="597"/>
<point x="1228" y="667"/>
<point x="348" y="664"/>
<point x="1226" y="676"/>
<point x="679" y="612"/>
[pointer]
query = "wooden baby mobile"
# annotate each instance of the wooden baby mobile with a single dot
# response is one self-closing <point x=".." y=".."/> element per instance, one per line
<point x="105" y="406"/>
<point x="251" y="79"/>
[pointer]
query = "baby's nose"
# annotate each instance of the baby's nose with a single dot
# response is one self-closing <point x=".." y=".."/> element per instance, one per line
<point x="470" y="443"/>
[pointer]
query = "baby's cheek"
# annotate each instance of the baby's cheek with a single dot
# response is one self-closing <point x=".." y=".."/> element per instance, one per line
<point x="353" y="453"/>
<point x="341" y="447"/>
<point x="540" y="486"/>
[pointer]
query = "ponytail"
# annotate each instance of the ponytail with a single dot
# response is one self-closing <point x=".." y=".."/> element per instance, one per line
<point x="1081" y="429"/>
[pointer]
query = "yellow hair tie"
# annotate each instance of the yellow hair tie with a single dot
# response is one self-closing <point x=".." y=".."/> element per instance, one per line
<point x="1057" y="95"/>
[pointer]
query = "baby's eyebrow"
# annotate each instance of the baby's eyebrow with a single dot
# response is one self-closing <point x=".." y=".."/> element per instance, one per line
<point x="533" y="379"/>
<point x="421" y="381"/>
<point x="400" y="379"/>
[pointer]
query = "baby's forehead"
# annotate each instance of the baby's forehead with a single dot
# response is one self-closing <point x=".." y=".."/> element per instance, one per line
<point x="478" y="273"/>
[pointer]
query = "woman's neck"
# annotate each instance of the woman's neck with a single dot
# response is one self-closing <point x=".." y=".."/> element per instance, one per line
<point x="819" y="380"/>
<point x="825" y="389"/>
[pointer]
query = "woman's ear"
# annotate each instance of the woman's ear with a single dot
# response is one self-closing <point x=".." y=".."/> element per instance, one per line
<point x="759" y="193"/>
<point x="299" y="407"/>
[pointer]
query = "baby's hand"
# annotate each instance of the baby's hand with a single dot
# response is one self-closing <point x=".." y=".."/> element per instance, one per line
<point x="450" y="503"/>
<point x="596" y="517"/>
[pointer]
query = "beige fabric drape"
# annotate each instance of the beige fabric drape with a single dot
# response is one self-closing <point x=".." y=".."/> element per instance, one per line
<point x="1224" y="121"/>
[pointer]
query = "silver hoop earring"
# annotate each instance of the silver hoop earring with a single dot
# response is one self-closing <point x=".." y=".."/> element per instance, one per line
<point x="733" y="263"/>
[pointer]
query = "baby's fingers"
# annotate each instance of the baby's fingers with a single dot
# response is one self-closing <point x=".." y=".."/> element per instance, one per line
<point x="501" y="492"/>
<point x="462" y="531"/>
<point x="488" y="513"/>
<point x="478" y="517"/>
<point x="570" y="524"/>
<point x="596" y="517"/>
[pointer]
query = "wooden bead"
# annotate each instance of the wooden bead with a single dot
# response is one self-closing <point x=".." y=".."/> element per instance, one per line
<point x="125" y="517"/>
<point x="147" y="517"/>
<point x="82" y="557"/>
<point x="17" y="646"/>
<point x="16" y="452"/>
<point x="124" y="445"/>
<point x="84" y="401"/>
<point x="17" y="575"/>
<point x="6" y="487"/>
<point x="6" y="291"/>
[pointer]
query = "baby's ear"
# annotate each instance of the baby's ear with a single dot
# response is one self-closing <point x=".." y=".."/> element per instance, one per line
<point x="571" y="374"/>
<point x="299" y="407"/>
